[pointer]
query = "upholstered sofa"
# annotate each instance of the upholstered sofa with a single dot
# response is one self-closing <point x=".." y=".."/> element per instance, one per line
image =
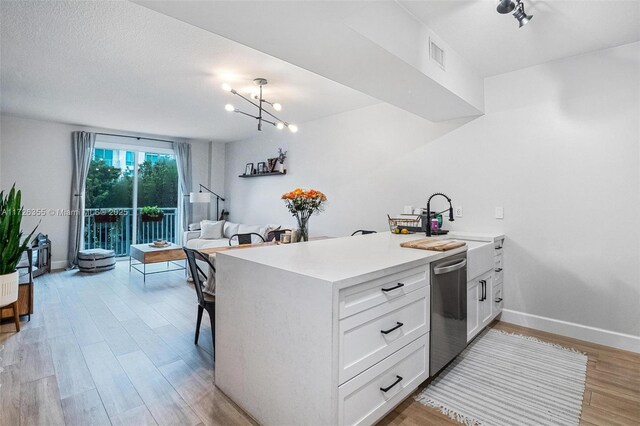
<point x="193" y="239"/>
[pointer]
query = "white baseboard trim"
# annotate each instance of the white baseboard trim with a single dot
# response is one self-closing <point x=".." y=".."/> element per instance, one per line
<point x="57" y="265"/>
<point x="614" y="339"/>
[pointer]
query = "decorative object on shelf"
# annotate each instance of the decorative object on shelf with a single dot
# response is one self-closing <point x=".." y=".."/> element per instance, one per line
<point x="262" y="167"/>
<point x="302" y="204"/>
<point x="205" y="197"/>
<point x="248" y="169"/>
<point x="282" y="155"/>
<point x="517" y="7"/>
<point x="151" y="214"/>
<point x="11" y="248"/>
<point x="275" y="121"/>
<point x="271" y="164"/>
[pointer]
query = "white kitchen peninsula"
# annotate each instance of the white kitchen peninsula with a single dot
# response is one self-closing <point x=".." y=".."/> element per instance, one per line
<point x="298" y="328"/>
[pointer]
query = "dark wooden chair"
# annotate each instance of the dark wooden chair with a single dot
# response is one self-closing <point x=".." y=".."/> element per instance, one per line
<point x="205" y="300"/>
<point x="363" y="232"/>
<point x="244" y="239"/>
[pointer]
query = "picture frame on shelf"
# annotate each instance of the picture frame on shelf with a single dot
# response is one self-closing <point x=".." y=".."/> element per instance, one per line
<point x="262" y="167"/>
<point x="271" y="164"/>
<point x="248" y="169"/>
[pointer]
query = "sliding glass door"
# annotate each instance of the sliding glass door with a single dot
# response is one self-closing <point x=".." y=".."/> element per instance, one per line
<point x="131" y="197"/>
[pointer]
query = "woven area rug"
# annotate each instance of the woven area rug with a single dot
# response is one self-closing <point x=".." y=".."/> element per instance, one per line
<point x="509" y="379"/>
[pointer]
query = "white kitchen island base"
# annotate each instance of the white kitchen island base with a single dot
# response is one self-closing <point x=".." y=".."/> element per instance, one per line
<point x="325" y="332"/>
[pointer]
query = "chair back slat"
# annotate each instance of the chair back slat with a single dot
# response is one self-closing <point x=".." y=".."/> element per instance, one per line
<point x="244" y="239"/>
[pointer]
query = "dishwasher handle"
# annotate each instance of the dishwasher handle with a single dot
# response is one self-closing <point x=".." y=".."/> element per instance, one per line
<point x="450" y="268"/>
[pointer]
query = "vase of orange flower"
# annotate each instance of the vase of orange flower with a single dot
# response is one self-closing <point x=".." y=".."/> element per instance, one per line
<point x="302" y="203"/>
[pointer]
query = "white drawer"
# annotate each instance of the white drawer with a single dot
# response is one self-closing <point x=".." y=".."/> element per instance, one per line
<point x="497" y="298"/>
<point x="498" y="246"/>
<point x="376" y="333"/>
<point x="361" y="401"/>
<point x="498" y="264"/>
<point x="498" y="276"/>
<point x="376" y="292"/>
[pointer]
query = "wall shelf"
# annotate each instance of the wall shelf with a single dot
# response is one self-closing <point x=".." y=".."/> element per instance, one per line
<point x="263" y="174"/>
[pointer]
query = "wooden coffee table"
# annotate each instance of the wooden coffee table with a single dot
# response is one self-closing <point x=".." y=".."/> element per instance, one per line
<point x="146" y="254"/>
<point x="172" y="254"/>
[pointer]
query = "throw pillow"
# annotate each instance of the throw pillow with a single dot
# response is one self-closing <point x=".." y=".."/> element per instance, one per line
<point x="247" y="229"/>
<point x="211" y="230"/>
<point x="230" y="229"/>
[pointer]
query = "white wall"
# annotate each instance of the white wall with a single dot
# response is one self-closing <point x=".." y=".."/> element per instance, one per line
<point x="37" y="156"/>
<point x="558" y="148"/>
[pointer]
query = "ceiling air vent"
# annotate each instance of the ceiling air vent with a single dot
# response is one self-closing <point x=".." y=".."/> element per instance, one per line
<point x="436" y="53"/>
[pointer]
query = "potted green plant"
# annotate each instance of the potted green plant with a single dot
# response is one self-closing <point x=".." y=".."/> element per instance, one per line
<point x="11" y="243"/>
<point x="151" y="214"/>
<point x="106" y="216"/>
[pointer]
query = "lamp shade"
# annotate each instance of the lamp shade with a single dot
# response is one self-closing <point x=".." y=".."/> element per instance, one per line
<point x="199" y="197"/>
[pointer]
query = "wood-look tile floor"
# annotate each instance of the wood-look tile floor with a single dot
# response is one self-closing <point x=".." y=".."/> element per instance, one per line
<point x="107" y="349"/>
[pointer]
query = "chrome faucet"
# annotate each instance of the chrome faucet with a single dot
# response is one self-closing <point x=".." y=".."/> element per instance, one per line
<point x="427" y="223"/>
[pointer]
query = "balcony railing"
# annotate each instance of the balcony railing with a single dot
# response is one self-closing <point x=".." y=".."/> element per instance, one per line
<point x="114" y="230"/>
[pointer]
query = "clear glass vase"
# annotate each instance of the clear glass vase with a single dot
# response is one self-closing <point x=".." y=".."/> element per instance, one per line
<point x="303" y="228"/>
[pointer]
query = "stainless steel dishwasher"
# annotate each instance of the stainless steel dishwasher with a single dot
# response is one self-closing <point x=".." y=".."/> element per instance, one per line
<point x="448" y="310"/>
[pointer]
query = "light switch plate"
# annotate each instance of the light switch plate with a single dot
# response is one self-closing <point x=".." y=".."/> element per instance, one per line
<point x="458" y="211"/>
<point x="499" y="212"/>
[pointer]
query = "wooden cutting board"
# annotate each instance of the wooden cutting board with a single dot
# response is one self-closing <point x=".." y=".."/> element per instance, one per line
<point x="429" y="244"/>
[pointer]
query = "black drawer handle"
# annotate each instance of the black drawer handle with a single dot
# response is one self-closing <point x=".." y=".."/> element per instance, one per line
<point x="499" y="248"/>
<point x="498" y="269"/>
<point x="499" y="299"/>
<point x="399" y="324"/>
<point x="398" y="380"/>
<point x="393" y="288"/>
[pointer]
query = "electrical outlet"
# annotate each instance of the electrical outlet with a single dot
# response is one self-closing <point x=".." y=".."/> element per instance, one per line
<point x="499" y="212"/>
<point x="458" y="211"/>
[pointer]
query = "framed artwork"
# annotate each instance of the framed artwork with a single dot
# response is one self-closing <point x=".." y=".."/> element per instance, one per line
<point x="262" y="167"/>
<point x="271" y="164"/>
<point x="248" y="169"/>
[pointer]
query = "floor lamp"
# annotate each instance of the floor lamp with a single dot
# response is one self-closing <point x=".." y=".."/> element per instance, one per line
<point x="205" y="197"/>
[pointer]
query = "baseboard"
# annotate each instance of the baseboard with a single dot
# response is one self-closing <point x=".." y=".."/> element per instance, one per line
<point x="57" y="265"/>
<point x="613" y="339"/>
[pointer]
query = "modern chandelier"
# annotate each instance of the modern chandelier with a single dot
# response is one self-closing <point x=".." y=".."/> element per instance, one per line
<point x="262" y="112"/>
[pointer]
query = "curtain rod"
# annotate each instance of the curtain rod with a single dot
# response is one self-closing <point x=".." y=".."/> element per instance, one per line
<point x="133" y="137"/>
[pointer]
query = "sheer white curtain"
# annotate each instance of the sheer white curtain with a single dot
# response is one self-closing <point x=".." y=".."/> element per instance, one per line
<point x="83" y="146"/>
<point x="183" y="161"/>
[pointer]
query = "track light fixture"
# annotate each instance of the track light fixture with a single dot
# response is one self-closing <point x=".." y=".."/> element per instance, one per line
<point x="517" y="7"/>
<point x="277" y="123"/>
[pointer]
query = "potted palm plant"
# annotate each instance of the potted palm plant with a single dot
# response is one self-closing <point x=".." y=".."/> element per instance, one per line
<point x="11" y="243"/>
<point x="151" y="214"/>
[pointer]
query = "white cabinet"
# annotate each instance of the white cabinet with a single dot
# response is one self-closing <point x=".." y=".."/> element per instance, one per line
<point x="485" y="291"/>
<point x="486" y="304"/>
<point x="367" y="397"/>
<point x="473" y="309"/>
<point x="479" y="303"/>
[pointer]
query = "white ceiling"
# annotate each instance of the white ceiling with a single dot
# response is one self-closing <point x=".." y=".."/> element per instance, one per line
<point x="494" y="44"/>
<point x="122" y="66"/>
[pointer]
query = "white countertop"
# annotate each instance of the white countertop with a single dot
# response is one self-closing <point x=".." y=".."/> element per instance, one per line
<point x="339" y="259"/>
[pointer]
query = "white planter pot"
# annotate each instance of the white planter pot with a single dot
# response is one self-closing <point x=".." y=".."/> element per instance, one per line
<point x="281" y="168"/>
<point x="8" y="288"/>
